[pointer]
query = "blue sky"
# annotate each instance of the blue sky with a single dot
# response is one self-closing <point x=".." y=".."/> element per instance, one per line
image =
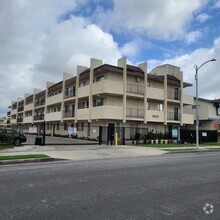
<point x="39" y="40"/>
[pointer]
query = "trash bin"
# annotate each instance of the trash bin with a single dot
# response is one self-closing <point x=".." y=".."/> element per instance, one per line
<point x="38" y="141"/>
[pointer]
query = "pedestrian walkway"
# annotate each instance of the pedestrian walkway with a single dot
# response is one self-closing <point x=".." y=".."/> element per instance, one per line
<point x="85" y="152"/>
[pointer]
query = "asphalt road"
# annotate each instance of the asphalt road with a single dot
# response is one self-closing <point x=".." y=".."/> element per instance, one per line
<point x="162" y="187"/>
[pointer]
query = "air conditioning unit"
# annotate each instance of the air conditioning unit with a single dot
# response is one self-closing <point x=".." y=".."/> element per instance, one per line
<point x="138" y="79"/>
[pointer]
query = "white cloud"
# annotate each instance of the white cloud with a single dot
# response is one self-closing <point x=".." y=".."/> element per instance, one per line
<point x="208" y="75"/>
<point x="37" y="45"/>
<point x="203" y="17"/>
<point x="192" y="37"/>
<point x="161" y="19"/>
<point x="217" y="4"/>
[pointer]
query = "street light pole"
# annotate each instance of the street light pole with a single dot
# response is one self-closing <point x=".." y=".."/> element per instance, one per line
<point x="197" y="95"/>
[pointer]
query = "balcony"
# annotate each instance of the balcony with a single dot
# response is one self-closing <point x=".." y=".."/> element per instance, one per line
<point x="107" y="112"/>
<point x="173" y="95"/>
<point x="53" y="116"/>
<point x="28" y="107"/>
<point x="28" y="119"/>
<point x="135" y="89"/>
<point x="173" y="116"/>
<point x="107" y="86"/>
<point x="14" y="111"/>
<point x="71" y="93"/>
<point x="19" y="120"/>
<point x="54" y="99"/>
<point x="83" y="91"/>
<point x="69" y="114"/>
<point x="13" y="121"/>
<point x="188" y="119"/>
<point x="39" y="117"/>
<point x="21" y="108"/>
<point x="155" y="93"/>
<point x="134" y="113"/>
<point x="188" y="100"/>
<point x="155" y="116"/>
<point x="83" y="114"/>
<point x="39" y="103"/>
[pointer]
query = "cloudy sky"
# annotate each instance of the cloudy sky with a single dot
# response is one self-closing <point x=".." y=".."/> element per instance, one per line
<point x="41" y="39"/>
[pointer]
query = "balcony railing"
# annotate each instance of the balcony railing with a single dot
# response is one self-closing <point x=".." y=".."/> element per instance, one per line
<point x="68" y="114"/>
<point x="20" y="108"/>
<point x="70" y="93"/>
<point x="38" y="117"/>
<point x="174" y="116"/>
<point x="135" y="113"/>
<point x="173" y="95"/>
<point x="135" y="89"/>
<point x="39" y="103"/>
<point x="20" y="120"/>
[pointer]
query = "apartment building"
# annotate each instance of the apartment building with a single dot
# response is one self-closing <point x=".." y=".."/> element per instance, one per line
<point x="209" y="114"/>
<point x="107" y="95"/>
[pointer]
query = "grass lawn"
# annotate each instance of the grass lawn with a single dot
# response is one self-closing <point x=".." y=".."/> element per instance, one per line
<point x="191" y="150"/>
<point x="30" y="156"/>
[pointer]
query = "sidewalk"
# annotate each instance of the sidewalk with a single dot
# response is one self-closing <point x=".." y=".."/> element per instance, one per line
<point x="85" y="153"/>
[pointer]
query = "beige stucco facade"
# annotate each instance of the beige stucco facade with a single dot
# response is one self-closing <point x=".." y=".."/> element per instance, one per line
<point x="101" y="94"/>
<point x="209" y="114"/>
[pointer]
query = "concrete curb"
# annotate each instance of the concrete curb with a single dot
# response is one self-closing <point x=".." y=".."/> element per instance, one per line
<point x="193" y="151"/>
<point x="34" y="160"/>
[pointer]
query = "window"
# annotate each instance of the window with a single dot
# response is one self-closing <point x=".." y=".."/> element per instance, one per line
<point x="66" y="108"/>
<point x="81" y="84"/>
<point x="99" y="78"/>
<point x="58" y="126"/>
<point x="176" y="93"/>
<point x="176" y="113"/>
<point x="67" y="92"/>
<point x="81" y="105"/>
<point x="148" y="106"/>
<point x="98" y="102"/>
<point x="160" y="107"/>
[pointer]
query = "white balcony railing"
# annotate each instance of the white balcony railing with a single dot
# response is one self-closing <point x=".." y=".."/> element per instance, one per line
<point x="107" y="86"/>
<point x="54" y="99"/>
<point x="155" y="93"/>
<point x="53" y="116"/>
<point x="107" y="112"/>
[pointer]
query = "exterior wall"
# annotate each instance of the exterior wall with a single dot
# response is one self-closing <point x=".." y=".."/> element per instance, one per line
<point x="129" y="96"/>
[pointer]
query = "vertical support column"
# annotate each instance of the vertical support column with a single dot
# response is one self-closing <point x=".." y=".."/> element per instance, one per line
<point x="123" y="63"/>
<point x="66" y="76"/>
<point x="100" y="135"/>
<point x="44" y="133"/>
<point x="94" y="63"/>
<point x="48" y="84"/>
<point x="143" y="66"/>
<point x="79" y="70"/>
<point x="34" y="99"/>
<point x="181" y="99"/>
<point x="165" y="99"/>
